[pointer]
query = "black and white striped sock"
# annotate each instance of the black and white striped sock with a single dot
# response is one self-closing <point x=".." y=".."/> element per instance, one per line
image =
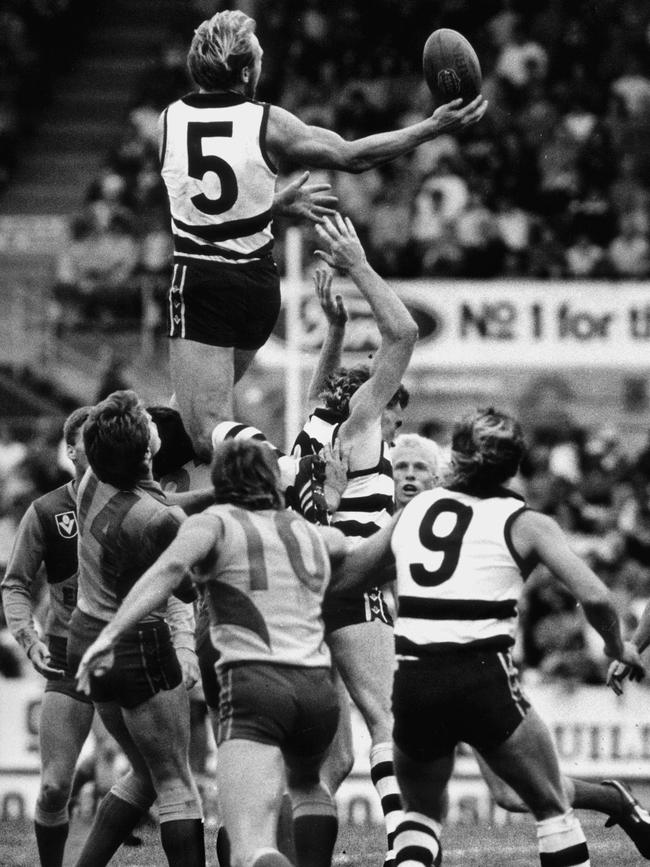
<point x="417" y="841"/>
<point x="382" y="774"/>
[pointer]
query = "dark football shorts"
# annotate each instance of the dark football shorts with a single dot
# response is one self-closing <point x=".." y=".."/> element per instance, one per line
<point x="293" y="707"/>
<point x="207" y="656"/>
<point x="469" y="696"/>
<point x="145" y="661"/>
<point x="66" y="685"/>
<point x="224" y="305"/>
<point x="340" y="610"/>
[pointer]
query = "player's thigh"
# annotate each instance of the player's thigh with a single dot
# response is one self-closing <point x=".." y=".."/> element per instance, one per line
<point x="250" y="783"/>
<point x="527" y="761"/>
<point x="110" y="714"/>
<point x="504" y="795"/>
<point x="64" y="726"/>
<point x="365" y="657"/>
<point x="160" y="728"/>
<point x="202" y="377"/>
<point x="423" y="784"/>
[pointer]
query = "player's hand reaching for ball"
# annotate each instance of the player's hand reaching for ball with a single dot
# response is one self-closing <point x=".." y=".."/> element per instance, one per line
<point x="629" y="665"/>
<point x="455" y="116"/>
<point x="97" y="660"/>
<point x="305" y="201"/>
<point x="343" y="247"/>
<point x="333" y="308"/>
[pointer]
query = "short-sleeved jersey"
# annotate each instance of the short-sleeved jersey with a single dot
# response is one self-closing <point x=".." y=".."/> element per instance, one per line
<point x="220" y="180"/>
<point x="459" y="577"/>
<point x="265" y="587"/>
<point x="46" y="536"/>
<point x="121" y="534"/>
<point x="369" y="498"/>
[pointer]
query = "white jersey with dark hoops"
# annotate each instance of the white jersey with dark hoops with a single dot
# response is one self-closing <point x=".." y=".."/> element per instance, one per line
<point x="458" y="576"/>
<point x="220" y="180"/>
<point x="369" y="498"/>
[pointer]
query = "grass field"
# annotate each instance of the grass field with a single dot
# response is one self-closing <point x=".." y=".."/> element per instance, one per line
<point x="466" y="845"/>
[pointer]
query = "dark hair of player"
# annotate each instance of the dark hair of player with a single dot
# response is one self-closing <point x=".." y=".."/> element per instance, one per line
<point x="222" y="46"/>
<point x="341" y="385"/>
<point x="74" y="422"/>
<point x="175" y="444"/>
<point x="486" y="450"/>
<point x="116" y="438"/>
<point x="246" y="474"/>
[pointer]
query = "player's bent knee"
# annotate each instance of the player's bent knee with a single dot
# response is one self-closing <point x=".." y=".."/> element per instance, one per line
<point x="316" y="801"/>
<point x="178" y="802"/>
<point x="54" y="796"/>
<point x="135" y="791"/>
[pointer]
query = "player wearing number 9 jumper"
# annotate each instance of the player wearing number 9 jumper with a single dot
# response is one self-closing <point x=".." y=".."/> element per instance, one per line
<point x="219" y="151"/>
<point x="462" y="553"/>
<point x="264" y="570"/>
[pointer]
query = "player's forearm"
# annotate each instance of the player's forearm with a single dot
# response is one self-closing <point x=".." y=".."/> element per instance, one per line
<point x="375" y="150"/>
<point x="17" y="607"/>
<point x="191" y="502"/>
<point x="393" y="319"/>
<point x="180" y="619"/>
<point x="329" y="360"/>
<point x="602" y="615"/>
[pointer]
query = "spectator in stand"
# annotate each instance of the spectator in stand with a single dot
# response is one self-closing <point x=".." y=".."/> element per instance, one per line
<point x="514" y="225"/>
<point x="628" y="194"/>
<point x="630" y="251"/>
<point x="388" y="233"/>
<point x="591" y="214"/>
<point x="522" y="60"/>
<point x="95" y="280"/>
<point x="633" y="86"/>
<point x="584" y="258"/>
<point x="478" y="235"/>
<point x="546" y="255"/>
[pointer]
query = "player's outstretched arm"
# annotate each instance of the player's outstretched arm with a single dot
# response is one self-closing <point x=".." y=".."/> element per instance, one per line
<point x="329" y="358"/>
<point x="304" y="201"/>
<point x="195" y="540"/>
<point x="356" y="567"/>
<point x="315" y="147"/>
<point x="540" y="536"/>
<point x="343" y="250"/>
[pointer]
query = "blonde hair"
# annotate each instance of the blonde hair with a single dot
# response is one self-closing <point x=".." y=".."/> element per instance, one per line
<point x="430" y="450"/>
<point x="222" y="46"/>
<point x="486" y="449"/>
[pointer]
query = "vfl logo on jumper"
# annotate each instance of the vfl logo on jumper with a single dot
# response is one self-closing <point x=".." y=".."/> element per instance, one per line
<point x="448" y="82"/>
<point x="66" y="524"/>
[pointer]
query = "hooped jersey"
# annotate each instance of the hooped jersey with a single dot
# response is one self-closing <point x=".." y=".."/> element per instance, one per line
<point x="220" y="180"/>
<point x="369" y="498"/>
<point x="46" y="536"/>
<point x="459" y="577"/>
<point x="265" y="586"/>
<point x="121" y="534"/>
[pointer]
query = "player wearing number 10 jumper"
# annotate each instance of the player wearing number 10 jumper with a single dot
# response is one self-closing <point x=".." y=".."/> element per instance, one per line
<point x="219" y="151"/>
